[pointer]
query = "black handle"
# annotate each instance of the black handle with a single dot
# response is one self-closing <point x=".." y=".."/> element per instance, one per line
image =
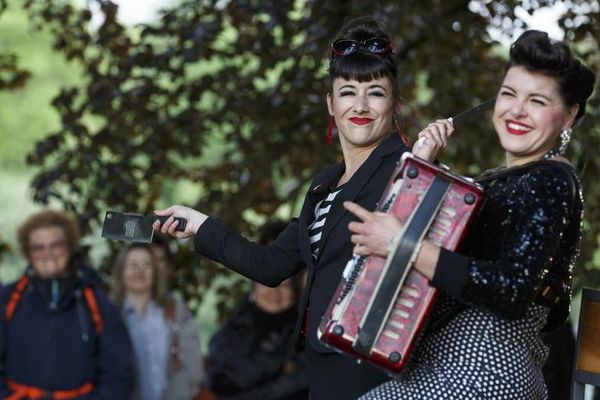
<point x="163" y="218"/>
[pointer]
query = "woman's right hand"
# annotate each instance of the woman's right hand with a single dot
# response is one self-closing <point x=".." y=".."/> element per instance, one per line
<point x="433" y="139"/>
<point x="194" y="220"/>
<point x="374" y="232"/>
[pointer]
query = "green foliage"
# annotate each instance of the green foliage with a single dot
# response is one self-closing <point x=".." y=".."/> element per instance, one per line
<point x="30" y="74"/>
<point x="25" y="115"/>
<point x="14" y="186"/>
<point x="229" y="96"/>
<point x="11" y="76"/>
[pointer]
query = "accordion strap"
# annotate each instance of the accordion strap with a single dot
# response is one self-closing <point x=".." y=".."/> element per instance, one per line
<point x="398" y="265"/>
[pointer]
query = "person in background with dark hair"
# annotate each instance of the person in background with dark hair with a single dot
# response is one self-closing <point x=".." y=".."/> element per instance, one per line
<point x="164" y="334"/>
<point x="511" y="279"/>
<point x="363" y="101"/>
<point x="60" y="336"/>
<point x="252" y="355"/>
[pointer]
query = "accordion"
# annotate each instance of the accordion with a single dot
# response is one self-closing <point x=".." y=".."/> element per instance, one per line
<point x="381" y="305"/>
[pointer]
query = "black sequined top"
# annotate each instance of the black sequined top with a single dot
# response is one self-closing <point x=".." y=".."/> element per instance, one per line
<point x="522" y="246"/>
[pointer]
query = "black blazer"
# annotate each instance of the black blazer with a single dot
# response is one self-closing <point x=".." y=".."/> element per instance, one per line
<point x="291" y="250"/>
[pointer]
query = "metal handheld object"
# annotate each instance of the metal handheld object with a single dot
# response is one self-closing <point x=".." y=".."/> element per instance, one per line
<point x="134" y="227"/>
<point x="459" y="120"/>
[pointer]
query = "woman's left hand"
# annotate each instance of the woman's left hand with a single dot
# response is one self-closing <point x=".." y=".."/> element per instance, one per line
<point x="375" y="231"/>
<point x="432" y="139"/>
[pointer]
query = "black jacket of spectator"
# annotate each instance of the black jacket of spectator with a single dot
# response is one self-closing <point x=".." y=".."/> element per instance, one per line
<point x="57" y="347"/>
<point x="252" y="357"/>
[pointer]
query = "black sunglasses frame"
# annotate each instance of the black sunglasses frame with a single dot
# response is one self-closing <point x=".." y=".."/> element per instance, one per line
<point x="372" y="45"/>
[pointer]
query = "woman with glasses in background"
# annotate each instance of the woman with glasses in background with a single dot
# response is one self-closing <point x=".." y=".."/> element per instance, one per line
<point x="163" y="332"/>
<point x="60" y="336"/>
<point x="363" y="101"/>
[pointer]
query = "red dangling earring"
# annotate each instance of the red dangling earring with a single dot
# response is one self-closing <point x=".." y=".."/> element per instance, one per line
<point x="330" y="130"/>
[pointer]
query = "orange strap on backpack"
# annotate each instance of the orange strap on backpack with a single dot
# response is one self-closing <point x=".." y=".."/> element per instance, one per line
<point x="15" y="297"/>
<point x="31" y="392"/>
<point x="90" y="298"/>
<point x="88" y="293"/>
<point x="22" y="392"/>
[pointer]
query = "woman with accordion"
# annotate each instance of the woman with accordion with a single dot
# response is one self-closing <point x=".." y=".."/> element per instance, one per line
<point x="363" y="101"/>
<point x="511" y="279"/>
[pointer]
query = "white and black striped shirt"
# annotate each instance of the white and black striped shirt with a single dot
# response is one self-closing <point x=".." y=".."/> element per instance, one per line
<point x="315" y="230"/>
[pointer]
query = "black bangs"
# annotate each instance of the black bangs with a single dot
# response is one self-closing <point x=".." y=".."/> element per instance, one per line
<point x="362" y="67"/>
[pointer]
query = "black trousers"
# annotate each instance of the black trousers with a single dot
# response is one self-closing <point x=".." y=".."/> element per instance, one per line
<point x="334" y="376"/>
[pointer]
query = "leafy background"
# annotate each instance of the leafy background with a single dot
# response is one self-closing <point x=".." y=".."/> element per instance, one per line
<point x="220" y="105"/>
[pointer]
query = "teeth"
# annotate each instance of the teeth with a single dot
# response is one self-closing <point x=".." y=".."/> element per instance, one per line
<point x="518" y="127"/>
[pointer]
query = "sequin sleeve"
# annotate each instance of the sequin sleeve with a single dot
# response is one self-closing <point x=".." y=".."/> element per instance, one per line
<point x="516" y="249"/>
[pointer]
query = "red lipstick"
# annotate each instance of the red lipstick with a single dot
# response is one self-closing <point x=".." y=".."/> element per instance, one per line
<point x="360" y="120"/>
<point x="517" y="128"/>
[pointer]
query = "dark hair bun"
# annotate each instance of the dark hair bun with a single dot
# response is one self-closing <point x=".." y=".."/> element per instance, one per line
<point x="535" y="51"/>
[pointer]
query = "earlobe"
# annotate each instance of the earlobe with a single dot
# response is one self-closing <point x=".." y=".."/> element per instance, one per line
<point x="329" y="104"/>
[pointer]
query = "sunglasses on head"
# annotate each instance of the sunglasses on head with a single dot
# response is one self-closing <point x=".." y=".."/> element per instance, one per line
<point x="344" y="47"/>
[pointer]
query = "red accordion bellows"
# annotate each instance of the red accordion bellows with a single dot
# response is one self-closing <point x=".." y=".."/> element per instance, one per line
<point x="381" y="305"/>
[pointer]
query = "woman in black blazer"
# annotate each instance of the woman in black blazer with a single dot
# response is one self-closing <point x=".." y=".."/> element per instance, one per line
<point x="363" y="100"/>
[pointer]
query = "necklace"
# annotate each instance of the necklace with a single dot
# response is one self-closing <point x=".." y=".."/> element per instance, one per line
<point x="555" y="152"/>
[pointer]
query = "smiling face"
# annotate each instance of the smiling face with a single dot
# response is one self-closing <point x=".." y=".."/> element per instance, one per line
<point x="529" y="115"/>
<point x="48" y="251"/>
<point x="363" y="111"/>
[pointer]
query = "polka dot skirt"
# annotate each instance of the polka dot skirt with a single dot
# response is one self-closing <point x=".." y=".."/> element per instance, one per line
<point x="476" y="355"/>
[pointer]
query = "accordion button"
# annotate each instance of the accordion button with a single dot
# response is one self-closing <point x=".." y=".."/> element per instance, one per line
<point x="469" y="198"/>
<point x="412" y="172"/>
<point x="395" y="357"/>
<point x="338" y="330"/>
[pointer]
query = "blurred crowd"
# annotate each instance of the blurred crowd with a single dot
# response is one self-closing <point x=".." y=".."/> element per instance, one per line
<point x="63" y="336"/>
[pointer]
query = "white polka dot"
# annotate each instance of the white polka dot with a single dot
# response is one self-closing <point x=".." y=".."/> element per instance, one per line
<point x="476" y="355"/>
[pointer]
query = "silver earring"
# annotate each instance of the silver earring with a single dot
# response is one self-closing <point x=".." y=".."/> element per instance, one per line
<point x="565" y="137"/>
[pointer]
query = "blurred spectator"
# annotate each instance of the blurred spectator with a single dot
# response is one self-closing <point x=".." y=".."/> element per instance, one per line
<point x="60" y="336"/>
<point x="252" y="356"/>
<point x="163" y="331"/>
